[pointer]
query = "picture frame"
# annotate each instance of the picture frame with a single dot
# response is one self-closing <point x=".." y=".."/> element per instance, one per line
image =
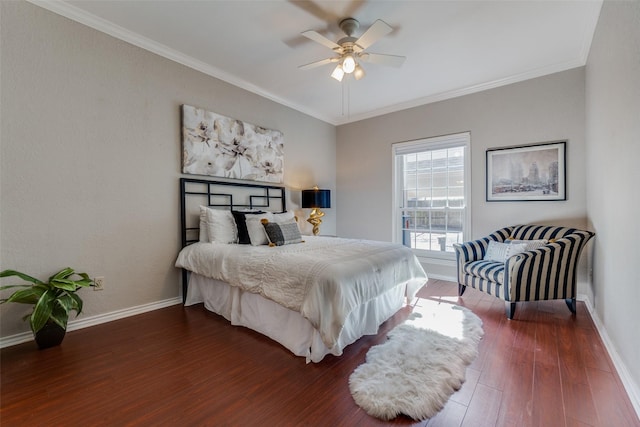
<point x="220" y="146"/>
<point x="535" y="172"/>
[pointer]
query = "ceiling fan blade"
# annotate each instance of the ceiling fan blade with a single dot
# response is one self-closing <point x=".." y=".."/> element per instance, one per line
<point x="376" y="31"/>
<point x="315" y="10"/>
<point x="379" y="58"/>
<point x="317" y="37"/>
<point x="318" y="63"/>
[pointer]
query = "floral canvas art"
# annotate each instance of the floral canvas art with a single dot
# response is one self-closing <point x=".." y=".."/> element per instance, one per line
<point x="216" y="145"/>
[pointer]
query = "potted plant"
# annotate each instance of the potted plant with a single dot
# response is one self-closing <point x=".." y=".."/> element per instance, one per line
<point x="52" y="301"/>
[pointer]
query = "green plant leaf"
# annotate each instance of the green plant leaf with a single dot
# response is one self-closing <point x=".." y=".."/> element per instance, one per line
<point x="63" y="305"/>
<point x="85" y="282"/>
<point x="2" y="288"/>
<point x="58" y="310"/>
<point x="42" y="311"/>
<point x="66" y="284"/>
<point x="43" y="287"/>
<point x="63" y="280"/>
<point x="62" y="274"/>
<point x="77" y="306"/>
<point x="11" y="273"/>
<point x="30" y="295"/>
<point x="67" y="303"/>
<point x="61" y="317"/>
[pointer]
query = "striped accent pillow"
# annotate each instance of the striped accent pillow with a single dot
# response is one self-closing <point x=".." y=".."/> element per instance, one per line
<point x="500" y="252"/>
<point x="284" y="233"/>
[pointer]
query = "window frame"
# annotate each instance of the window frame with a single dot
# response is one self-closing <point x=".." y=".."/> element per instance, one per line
<point x="463" y="140"/>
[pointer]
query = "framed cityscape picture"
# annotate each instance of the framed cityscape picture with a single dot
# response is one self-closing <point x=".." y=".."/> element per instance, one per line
<point x="527" y="173"/>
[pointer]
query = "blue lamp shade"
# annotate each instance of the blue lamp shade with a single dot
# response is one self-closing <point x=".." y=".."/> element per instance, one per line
<point x="316" y="198"/>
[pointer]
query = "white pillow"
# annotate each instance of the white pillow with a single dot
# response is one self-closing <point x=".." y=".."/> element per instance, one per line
<point x="204" y="232"/>
<point x="220" y="226"/>
<point x="500" y="252"/>
<point x="531" y="244"/>
<point x="255" y="229"/>
<point x="283" y="217"/>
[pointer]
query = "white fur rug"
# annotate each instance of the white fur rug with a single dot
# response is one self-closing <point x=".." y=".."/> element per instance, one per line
<point x="421" y="365"/>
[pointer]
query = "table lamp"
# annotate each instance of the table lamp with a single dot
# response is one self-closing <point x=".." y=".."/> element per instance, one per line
<point x="316" y="199"/>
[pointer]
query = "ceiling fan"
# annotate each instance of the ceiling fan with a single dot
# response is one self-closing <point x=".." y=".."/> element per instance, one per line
<point x="350" y="51"/>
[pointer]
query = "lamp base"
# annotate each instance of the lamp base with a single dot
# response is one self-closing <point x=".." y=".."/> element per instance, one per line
<point x="314" y="219"/>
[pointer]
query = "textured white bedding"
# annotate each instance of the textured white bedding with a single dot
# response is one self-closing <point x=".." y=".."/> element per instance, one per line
<point x="324" y="279"/>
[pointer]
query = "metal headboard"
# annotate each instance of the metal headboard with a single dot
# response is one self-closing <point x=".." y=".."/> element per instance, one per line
<point x="220" y="194"/>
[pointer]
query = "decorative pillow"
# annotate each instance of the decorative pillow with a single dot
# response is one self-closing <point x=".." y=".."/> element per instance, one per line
<point x="257" y="235"/>
<point x="204" y="232"/>
<point x="500" y="252"/>
<point x="241" y="225"/>
<point x="531" y="244"/>
<point x="283" y="217"/>
<point x="221" y="227"/>
<point x="283" y="233"/>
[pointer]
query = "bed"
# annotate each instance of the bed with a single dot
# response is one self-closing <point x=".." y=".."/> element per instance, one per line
<point x="314" y="295"/>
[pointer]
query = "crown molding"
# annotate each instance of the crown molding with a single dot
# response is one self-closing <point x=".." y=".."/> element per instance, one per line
<point x="76" y="14"/>
<point x="81" y="16"/>
<point x="590" y="32"/>
<point x="443" y="96"/>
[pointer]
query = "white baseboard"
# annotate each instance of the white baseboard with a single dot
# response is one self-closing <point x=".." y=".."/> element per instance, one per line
<point x="633" y="391"/>
<point x="451" y="264"/>
<point x="443" y="277"/>
<point x="94" y="320"/>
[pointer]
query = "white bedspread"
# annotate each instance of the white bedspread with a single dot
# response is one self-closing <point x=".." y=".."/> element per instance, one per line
<point x="323" y="278"/>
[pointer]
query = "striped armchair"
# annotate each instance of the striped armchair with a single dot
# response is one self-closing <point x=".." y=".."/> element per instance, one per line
<point x="545" y="273"/>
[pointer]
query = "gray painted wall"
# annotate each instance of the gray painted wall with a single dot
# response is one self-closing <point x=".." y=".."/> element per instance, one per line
<point x="543" y="109"/>
<point x="90" y="157"/>
<point x="613" y="153"/>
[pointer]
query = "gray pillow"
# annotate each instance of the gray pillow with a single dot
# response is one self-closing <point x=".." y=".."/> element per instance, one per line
<point x="284" y="233"/>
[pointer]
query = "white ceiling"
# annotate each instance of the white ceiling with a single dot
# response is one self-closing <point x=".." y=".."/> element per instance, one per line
<point x="452" y="47"/>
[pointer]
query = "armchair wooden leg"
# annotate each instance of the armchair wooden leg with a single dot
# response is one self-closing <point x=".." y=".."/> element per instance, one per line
<point x="461" y="289"/>
<point x="571" y="303"/>
<point x="510" y="308"/>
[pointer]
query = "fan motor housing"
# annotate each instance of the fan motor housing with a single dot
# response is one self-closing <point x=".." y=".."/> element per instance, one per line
<point x="349" y="26"/>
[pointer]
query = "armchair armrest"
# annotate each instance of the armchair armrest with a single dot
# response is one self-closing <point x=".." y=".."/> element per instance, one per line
<point x="548" y="272"/>
<point x="475" y="249"/>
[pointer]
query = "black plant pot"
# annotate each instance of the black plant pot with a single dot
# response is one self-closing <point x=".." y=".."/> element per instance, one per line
<point x="50" y="335"/>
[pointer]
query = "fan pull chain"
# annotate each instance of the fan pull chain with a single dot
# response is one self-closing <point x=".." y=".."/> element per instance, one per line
<point x="342" y="103"/>
<point x="346" y="98"/>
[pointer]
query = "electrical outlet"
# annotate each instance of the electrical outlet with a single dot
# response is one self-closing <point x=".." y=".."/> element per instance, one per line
<point x="98" y="283"/>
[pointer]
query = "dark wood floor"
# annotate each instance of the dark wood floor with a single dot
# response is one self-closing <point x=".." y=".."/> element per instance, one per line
<point x="187" y="367"/>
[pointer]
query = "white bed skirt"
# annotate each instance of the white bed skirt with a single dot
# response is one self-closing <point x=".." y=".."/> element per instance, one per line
<point x="288" y="327"/>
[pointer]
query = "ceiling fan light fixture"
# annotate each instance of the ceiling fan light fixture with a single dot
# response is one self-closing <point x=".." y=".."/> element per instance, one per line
<point x="349" y="51"/>
<point x="348" y="64"/>
<point x="338" y="73"/>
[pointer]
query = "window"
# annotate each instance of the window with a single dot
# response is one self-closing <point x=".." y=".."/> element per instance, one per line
<point x="431" y="194"/>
